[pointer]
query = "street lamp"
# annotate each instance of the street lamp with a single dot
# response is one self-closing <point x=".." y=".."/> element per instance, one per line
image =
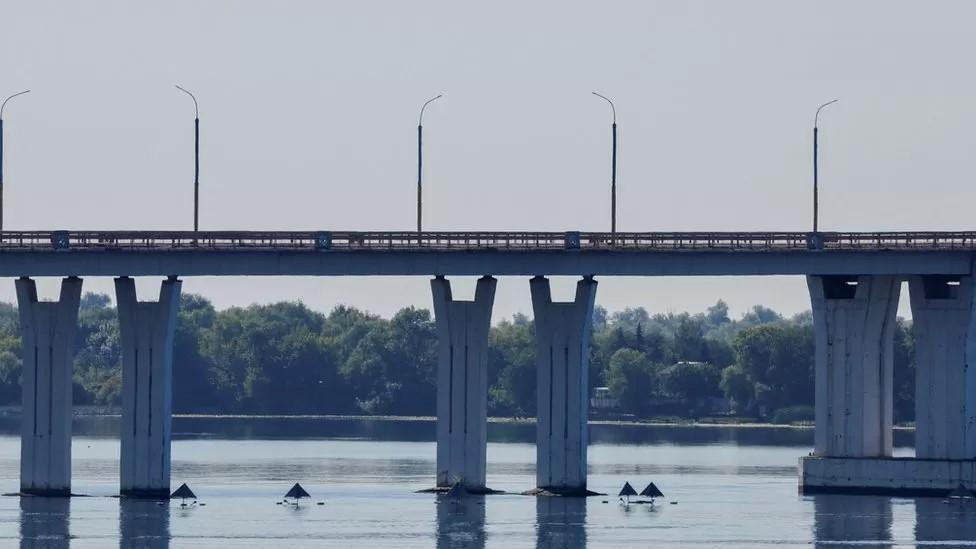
<point x="613" y="167"/>
<point x="420" y="162"/>
<point x="196" y="159"/>
<point x="816" y="204"/>
<point x="2" y="106"/>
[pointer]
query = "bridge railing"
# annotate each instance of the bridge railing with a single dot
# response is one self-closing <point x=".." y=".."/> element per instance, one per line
<point x="502" y="241"/>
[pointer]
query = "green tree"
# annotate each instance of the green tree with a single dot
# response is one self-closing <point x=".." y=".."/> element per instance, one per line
<point x="194" y="383"/>
<point x="631" y="379"/>
<point x="778" y="358"/>
<point x="691" y="380"/>
<point x="98" y="355"/>
<point x="511" y="363"/>
<point x="737" y="387"/>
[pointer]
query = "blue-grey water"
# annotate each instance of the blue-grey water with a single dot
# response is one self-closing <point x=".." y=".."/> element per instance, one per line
<point x="733" y="487"/>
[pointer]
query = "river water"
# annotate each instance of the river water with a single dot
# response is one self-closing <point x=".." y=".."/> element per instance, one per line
<point x="732" y="487"/>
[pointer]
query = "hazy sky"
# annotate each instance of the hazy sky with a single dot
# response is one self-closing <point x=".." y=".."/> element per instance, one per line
<point x="309" y="122"/>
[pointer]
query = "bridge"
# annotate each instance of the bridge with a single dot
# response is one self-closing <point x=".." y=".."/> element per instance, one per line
<point x="335" y="253"/>
<point x="854" y="280"/>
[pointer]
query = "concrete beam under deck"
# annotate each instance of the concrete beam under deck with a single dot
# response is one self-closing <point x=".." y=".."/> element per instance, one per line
<point x="477" y="262"/>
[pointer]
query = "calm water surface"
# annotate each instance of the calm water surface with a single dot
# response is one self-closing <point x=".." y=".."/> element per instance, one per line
<point x="733" y="488"/>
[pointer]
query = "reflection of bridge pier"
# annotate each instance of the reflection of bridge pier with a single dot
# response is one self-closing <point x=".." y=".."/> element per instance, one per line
<point x="44" y="522"/>
<point x="560" y="522"/>
<point x="461" y="523"/>
<point x="854" y="519"/>
<point x="937" y="522"/>
<point x="143" y="524"/>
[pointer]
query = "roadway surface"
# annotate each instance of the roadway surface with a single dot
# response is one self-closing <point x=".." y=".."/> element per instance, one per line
<point x="344" y="253"/>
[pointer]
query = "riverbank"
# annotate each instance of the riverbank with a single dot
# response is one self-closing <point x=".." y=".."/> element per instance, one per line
<point x="724" y="422"/>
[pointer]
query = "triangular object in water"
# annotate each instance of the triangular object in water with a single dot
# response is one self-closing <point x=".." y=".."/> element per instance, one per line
<point x="651" y="491"/>
<point x="297" y="492"/>
<point x="184" y="492"/>
<point x="961" y="492"/>
<point x="627" y="490"/>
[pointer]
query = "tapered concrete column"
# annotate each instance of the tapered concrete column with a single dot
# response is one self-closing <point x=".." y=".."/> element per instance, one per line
<point x="462" y="383"/>
<point x="47" y="332"/>
<point x="146" y="331"/>
<point x="945" y="387"/>
<point x="562" y="342"/>
<point x="854" y="323"/>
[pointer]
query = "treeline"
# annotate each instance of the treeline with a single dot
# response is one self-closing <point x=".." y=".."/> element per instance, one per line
<point x="284" y="358"/>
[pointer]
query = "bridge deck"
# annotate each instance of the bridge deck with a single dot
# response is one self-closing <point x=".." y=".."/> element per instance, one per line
<point x="342" y="253"/>
<point x="367" y="240"/>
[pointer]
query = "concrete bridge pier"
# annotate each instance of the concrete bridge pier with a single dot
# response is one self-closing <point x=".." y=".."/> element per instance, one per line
<point x="146" y="331"/>
<point x="562" y="336"/>
<point x="854" y="321"/>
<point x="47" y="331"/>
<point x="945" y="387"/>
<point x="462" y="383"/>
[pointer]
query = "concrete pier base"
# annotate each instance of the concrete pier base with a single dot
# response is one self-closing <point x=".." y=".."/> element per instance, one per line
<point x="146" y="332"/>
<point x="562" y="335"/>
<point x="462" y="384"/>
<point x="47" y="331"/>
<point x="885" y="476"/>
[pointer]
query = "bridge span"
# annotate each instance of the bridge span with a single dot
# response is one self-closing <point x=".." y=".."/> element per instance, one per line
<point x="347" y="253"/>
<point x="854" y="280"/>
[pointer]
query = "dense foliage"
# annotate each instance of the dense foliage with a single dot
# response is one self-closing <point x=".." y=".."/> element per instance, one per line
<point x="284" y="358"/>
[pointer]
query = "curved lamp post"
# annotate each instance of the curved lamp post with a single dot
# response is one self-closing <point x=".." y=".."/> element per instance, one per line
<point x="2" y="106"/>
<point x="816" y="204"/>
<point x="420" y="162"/>
<point x="196" y="159"/>
<point x="613" y="166"/>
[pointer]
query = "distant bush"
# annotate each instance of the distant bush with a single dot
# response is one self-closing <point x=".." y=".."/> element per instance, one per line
<point x="793" y="414"/>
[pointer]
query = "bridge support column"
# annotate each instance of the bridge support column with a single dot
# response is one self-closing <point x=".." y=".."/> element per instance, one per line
<point x="854" y="326"/>
<point x="854" y="323"/>
<point x="146" y="331"/>
<point x="47" y="331"/>
<point x="562" y="342"/>
<point x="945" y="387"/>
<point x="462" y="383"/>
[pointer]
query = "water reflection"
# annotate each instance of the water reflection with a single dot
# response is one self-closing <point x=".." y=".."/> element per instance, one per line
<point x="44" y="522"/>
<point x="951" y="524"/>
<point x="560" y="522"/>
<point x="143" y="524"/>
<point x="855" y="520"/>
<point x="460" y="522"/>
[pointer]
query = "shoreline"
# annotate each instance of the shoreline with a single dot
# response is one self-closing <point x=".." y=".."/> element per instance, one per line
<point x="109" y="412"/>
